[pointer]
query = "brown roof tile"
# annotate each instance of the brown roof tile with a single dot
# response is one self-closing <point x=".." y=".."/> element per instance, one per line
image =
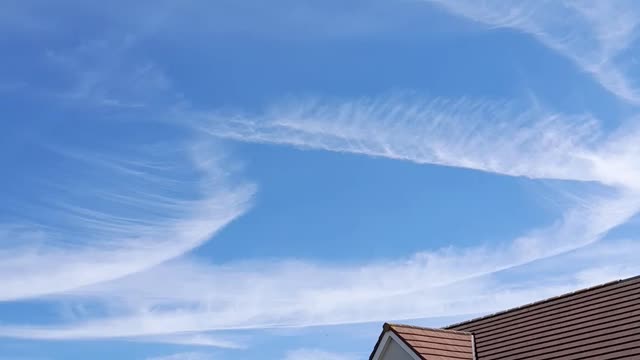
<point x="434" y="344"/>
<point x="602" y="322"/>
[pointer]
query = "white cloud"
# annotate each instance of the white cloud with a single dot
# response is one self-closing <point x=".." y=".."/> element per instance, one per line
<point x="184" y="356"/>
<point x="113" y="218"/>
<point x="496" y="137"/>
<point x="196" y="339"/>
<point x="595" y="35"/>
<point x="297" y="294"/>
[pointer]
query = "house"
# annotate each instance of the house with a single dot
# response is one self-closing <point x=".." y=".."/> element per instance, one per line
<point x="601" y="322"/>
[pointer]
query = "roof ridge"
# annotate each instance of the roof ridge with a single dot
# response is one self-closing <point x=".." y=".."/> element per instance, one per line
<point x="387" y="326"/>
<point x="637" y="277"/>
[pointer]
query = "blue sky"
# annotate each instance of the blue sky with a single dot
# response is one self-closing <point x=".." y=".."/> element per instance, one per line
<point x="203" y="180"/>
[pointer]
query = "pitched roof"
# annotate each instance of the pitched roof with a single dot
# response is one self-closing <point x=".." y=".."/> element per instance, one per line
<point x="601" y="322"/>
<point x="432" y="344"/>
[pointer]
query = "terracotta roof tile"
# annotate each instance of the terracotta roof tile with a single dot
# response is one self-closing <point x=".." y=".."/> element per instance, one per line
<point x="435" y="344"/>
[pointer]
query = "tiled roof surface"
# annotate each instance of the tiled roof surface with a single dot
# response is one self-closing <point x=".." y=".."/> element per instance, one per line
<point x="435" y="344"/>
<point x="602" y="323"/>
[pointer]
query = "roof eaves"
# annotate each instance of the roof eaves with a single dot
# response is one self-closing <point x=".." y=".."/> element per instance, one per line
<point x="375" y="348"/>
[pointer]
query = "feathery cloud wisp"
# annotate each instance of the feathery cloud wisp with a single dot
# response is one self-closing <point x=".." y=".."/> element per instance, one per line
<point x="295" y="294"/>
<point x="184" y="356"/>
<point x="487" y="136"/>
<point x="116" y="218"/>
<point x="194" y="339"/>
<point x="583" y="31"/>
<point x="254" y="296"/>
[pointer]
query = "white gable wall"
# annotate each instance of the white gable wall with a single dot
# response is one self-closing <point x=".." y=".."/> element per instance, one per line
<point x="395" y="352"/>
<point x="392" y="348"/>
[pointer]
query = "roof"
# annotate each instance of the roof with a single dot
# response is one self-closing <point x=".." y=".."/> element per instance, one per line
<point x="433" y="344"/>
<point x="601" y="322"/>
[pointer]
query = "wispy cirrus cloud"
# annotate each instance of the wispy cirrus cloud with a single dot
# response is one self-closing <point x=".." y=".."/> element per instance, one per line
<point x="583" y="31"/>
<point x="497" y="137"/>
<point x="201" y="339"/>
<point x="115" y="217"/>
<point x="275" y="295"/>
<point x="184" y="356"/>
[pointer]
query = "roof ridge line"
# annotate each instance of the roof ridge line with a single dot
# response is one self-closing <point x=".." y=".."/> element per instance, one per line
<point x="448" y="327"/>
<point x="387" y="326"/>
